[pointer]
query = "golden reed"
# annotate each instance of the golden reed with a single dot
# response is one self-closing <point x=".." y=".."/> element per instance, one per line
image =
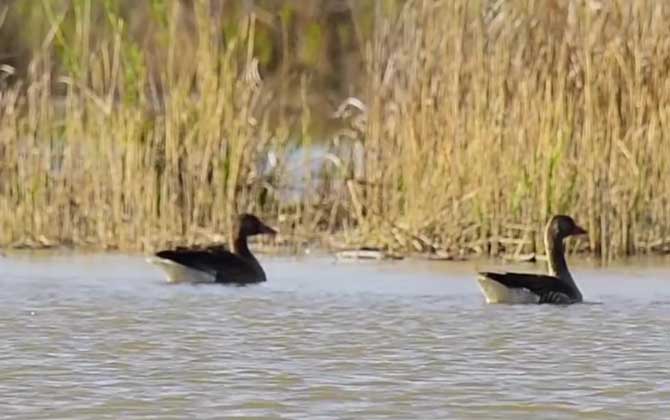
<point x="482" y="118"/>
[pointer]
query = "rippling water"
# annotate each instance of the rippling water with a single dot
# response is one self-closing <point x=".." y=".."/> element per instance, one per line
<point x="103" y="337"/>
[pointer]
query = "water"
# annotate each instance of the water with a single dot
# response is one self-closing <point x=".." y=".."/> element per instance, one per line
<point x="94" y="337"/>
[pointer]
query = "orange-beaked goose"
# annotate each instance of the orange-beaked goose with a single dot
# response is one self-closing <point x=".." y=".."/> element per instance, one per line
<point x="216" y="264"/>
<point x="557" y="287"/>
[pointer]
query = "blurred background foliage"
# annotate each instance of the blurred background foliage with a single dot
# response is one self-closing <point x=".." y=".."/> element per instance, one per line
<point x="318" y="41"/>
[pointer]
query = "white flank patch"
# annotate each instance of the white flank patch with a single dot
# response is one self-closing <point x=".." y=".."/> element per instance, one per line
<point x="177" y="273"/>
<point x="495" y="292"/>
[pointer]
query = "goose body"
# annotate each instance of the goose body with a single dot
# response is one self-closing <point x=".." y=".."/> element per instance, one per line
<point x="180" y="273"/>
<point x="216" y="264"/>
<point x="496" y="292"/>
<point x="556" y="287"/>
<point x="525" y="288"/>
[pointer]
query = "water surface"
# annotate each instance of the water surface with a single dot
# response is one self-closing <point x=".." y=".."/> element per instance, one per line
<point x="94" y="337"/>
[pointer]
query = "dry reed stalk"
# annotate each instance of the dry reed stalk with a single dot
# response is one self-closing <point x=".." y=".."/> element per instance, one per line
<point x="534" y="110"/>
<point x="107" y="165"/>
<point x="480" y="115"/>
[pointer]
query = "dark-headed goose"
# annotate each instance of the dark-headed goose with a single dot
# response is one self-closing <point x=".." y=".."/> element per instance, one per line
<point x="557" y="287"/>
<point x="215" y="263"/>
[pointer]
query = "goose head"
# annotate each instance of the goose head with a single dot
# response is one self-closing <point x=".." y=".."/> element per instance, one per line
<point x="561" y="226"/>
<point x="251" y="225"/>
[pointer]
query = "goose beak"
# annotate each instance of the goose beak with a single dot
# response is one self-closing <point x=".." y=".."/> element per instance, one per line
<point x="578" y="230"/>
<point x="265" y="229"/>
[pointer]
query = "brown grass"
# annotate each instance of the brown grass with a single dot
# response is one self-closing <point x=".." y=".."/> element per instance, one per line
<point x="483" y="119"/>
<point x="120" y="160"/>
<point x="482" y="123"/>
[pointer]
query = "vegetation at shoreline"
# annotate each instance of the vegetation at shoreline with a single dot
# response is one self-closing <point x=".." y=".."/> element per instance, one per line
<point x="468" y="123"/>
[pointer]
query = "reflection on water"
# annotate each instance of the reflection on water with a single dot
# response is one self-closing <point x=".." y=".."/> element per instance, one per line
<point x="104" y="337"/>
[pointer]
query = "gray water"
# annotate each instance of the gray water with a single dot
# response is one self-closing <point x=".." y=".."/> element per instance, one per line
<point x="93" y="337"/>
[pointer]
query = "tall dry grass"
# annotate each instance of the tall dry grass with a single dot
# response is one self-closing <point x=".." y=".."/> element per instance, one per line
<point x="107" y="154"/>
<point x="486" y="117"/>
<point x="482" y="119"/>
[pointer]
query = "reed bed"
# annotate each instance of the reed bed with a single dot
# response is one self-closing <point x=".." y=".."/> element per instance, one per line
<point x="487" y="117"/>
<point x="477" y="121"/>
<point x="107" y="154"/>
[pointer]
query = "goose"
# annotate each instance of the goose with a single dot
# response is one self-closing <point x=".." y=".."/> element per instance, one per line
<point x="215" y="263"/>
<point x="557" y="287"/>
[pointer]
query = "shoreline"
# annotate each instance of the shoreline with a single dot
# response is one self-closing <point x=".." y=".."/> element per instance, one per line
<point x="354" y="255"/>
